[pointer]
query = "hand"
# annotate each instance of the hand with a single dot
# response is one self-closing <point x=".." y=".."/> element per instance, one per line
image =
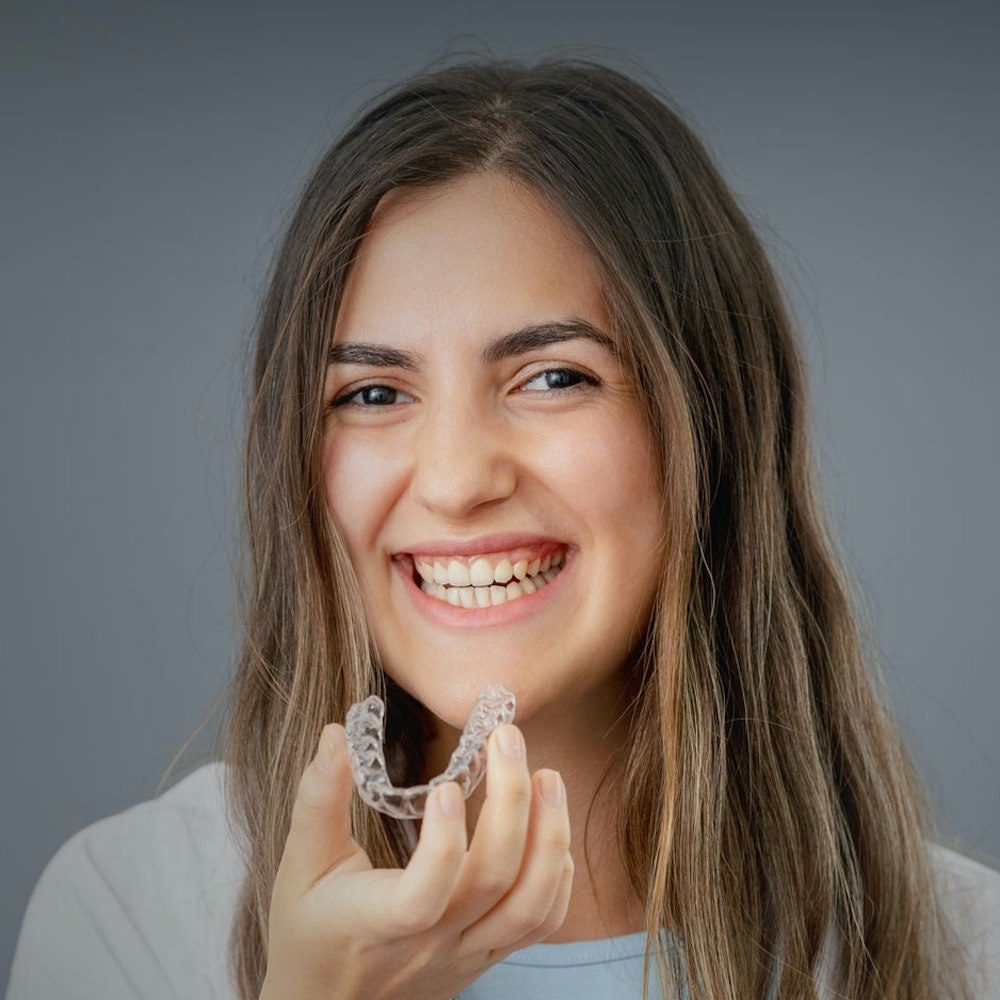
<point x="340" y="929"/>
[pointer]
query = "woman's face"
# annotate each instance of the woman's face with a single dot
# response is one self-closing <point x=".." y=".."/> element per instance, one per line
<point x="477" y="430"/>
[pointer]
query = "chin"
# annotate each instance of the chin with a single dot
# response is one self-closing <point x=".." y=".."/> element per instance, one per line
<point x="449" y="699"/>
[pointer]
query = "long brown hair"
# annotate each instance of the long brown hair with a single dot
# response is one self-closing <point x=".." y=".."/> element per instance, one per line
<point x="768" y="800"/>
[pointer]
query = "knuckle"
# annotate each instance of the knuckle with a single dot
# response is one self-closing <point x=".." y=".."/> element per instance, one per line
<point x="527" y="918"/>
<point x="556" y="844"/>
<point x="539" y="933"/>
<point x="413" y="916"/>
<point x="516" y="797"/>
<point x="552" y="922"/>
<point x="518" y="794"/>
<point x="494" y="882"/>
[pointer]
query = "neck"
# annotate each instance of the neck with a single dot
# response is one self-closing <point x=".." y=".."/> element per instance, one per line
<point x="582" y="741"/>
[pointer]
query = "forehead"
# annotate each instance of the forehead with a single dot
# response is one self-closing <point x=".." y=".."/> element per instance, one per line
<point x="484" y="253"/>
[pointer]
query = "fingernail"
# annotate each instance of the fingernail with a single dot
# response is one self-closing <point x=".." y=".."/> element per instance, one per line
<point x="511" y="742"/>
<point x="449" y="800"/>
<point x="327" y="756"/>
<point x="552" y="788"/>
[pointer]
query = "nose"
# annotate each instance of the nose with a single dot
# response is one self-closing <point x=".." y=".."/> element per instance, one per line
<point x="462" y="460"/>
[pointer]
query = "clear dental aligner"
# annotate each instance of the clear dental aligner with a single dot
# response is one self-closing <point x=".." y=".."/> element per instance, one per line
<point x="365" y="727"/>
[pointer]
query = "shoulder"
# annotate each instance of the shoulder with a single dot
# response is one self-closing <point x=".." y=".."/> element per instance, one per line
<point x="175" y="846"/>
<point x="969" y="892"/>
<point x="140" y="901"/>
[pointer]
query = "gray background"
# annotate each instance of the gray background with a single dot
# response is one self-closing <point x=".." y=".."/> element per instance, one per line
<point x="150" y="154"/>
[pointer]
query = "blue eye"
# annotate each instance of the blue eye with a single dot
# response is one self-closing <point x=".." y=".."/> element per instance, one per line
<point x="562" y="378"/>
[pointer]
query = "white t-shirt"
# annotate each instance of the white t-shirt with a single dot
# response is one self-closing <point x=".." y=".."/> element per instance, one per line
<point x="140" y="904"/>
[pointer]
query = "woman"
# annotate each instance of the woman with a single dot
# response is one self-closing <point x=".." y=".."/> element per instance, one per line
<point x="518" y="320"/>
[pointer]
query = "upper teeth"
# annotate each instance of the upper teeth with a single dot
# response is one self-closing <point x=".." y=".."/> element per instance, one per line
<point x="483" y="572"/>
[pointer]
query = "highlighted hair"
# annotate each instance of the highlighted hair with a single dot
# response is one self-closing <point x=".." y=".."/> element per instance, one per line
<point x="768" y="801"/>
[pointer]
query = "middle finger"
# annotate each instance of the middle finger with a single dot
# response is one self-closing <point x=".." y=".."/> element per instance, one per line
<point x="494" y="857"/>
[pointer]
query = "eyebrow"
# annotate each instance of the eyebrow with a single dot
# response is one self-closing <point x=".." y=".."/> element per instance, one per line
<point x="510" y="345"/>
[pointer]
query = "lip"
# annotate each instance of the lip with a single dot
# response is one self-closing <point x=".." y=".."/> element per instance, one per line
<point x="441" y="613"/>
<point x="483" y="545"/>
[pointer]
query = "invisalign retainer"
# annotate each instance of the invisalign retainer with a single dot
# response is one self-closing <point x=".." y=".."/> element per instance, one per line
<point x="365" y="727"/>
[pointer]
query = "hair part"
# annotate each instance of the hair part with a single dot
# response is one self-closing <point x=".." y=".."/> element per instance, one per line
<point x="767" y="801"/>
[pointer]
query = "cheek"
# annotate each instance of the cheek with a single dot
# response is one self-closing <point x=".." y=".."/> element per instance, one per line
<point x="606" y="472"/>
<point x="621" y="503"/>
<point x="360" y="483"/>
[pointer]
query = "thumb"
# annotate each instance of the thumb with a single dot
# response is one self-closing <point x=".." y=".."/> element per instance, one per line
<point x="319" y="838"/>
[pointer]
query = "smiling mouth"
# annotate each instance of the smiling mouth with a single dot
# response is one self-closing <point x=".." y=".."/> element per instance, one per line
<point x="509" y="582"/>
